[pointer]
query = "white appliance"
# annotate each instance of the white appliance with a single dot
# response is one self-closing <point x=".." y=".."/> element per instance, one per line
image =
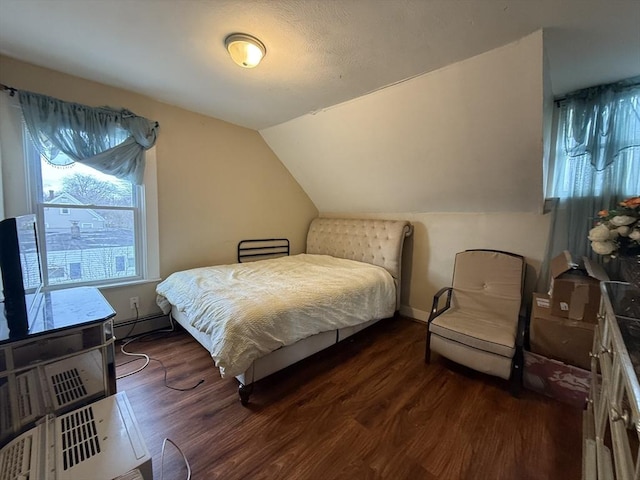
<point x="54" y="388"/>
<point x="100" y="441"/>
<point x="73" y="379"/>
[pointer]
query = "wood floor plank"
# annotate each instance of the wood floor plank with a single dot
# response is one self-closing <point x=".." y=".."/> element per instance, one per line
<point x="367" y="408"/>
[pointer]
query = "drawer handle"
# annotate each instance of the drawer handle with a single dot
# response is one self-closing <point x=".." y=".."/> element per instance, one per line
<point x="605" y="350"/>
<point x="616" y="416"/>
<point x="594" y="355"/>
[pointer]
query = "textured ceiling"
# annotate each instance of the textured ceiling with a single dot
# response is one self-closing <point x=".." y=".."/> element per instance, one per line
<point x="319" y="52"/>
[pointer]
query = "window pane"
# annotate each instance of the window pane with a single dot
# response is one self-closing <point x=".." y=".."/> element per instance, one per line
<point x="89" y="245"/>
<point x="78" y="184"/>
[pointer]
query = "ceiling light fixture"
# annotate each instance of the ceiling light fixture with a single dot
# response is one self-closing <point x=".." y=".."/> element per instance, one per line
<point x="245" y="50"/>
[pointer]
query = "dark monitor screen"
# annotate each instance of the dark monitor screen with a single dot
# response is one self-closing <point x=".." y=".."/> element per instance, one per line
<point x="21" y="271"/>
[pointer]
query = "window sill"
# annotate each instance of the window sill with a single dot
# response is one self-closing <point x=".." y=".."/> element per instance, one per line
<point x="107" y="286"/>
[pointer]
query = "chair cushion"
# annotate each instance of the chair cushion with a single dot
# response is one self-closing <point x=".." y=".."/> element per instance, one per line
<point x="479" y="360"/>
<point x="489" y="282"/>
<point x="489" y="331"/>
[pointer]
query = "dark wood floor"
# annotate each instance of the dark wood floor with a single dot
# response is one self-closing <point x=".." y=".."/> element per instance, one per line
<point x="366" y="408"/>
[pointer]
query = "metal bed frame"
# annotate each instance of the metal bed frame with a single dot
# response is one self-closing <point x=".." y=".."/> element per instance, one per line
<point x="262" y="248"/>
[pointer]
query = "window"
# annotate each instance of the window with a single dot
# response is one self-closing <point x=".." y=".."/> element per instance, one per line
<point x="75" y="271"/>
<point x="103" y="224"/>
<point x="120" y="263"/>
<point x="25" y="192"/>
<point x="574" y="175"/>
<point x="597" y="159"/>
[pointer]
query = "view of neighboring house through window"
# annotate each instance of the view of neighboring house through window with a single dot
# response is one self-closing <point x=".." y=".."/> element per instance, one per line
<point x="89" y="224"/>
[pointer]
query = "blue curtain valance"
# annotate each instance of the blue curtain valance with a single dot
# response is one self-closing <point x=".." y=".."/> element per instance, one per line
<point x="603" y="121"/>
<point x="111" y="141"/>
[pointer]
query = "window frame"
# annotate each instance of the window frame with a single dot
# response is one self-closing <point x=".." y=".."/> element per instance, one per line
<point x="38" y="205"/>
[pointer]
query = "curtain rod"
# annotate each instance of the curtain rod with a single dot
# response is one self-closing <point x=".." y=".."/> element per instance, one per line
<point x="622" y="84"/>
<point x="12" y="91"/>
<point x="5" y="88"/>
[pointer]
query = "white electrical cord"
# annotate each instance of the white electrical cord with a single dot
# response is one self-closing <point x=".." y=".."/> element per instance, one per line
<point x="141" y="355"/>
<point x="186" y="462"/>
<point x="148" y="359"/>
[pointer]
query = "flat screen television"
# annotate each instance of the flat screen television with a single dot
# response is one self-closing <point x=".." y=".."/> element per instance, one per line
<point x="21" y="273"/>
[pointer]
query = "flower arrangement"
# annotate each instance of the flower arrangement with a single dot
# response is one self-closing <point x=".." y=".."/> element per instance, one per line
<point x="617" y="232"/>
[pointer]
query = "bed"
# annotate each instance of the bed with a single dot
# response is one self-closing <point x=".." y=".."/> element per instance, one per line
<point x="259" y="317"/>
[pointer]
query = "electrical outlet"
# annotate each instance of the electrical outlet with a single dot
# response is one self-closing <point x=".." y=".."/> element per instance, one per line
<point x="133" y="301"/>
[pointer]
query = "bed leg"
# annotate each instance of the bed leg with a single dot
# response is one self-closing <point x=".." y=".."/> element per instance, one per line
<point x="244" y="391"/>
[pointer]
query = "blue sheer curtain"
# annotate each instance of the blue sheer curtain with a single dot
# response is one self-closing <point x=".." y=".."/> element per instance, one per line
<point x="109" y="140"/>
<point x="597" y="159"/>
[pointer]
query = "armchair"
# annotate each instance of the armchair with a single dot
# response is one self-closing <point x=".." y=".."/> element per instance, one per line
<point x="480" y="325"/>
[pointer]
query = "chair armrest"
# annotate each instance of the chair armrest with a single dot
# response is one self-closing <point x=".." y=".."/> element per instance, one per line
<point x="436" y="302"/>
<point x="521" y="334"/>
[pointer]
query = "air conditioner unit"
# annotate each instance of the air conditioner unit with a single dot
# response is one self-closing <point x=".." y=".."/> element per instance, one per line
<point x="73" y="380"/>
<point x="54" y="388"/>
<point x="100" y="441"/>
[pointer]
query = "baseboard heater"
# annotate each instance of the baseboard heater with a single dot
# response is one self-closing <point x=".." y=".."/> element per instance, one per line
<point x="142" y="325"/>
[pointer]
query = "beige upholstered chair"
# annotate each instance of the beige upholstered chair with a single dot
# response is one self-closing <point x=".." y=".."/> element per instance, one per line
<point x="480" y="325"/>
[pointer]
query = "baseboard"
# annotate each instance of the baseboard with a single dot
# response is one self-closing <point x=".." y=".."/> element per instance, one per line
<point x="415" y="313"/>
<point x="131" y="328"/>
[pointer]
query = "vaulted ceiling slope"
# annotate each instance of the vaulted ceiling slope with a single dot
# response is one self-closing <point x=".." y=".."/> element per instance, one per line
<point x="373" y="105"/>
<point x="465" y="138"/>
<point x="319" y="52"/>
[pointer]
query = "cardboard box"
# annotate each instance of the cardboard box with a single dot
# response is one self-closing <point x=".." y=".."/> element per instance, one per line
<point x="558" y="338"/>
<point x="575" y="291"/>
<point x="555" y="379"/>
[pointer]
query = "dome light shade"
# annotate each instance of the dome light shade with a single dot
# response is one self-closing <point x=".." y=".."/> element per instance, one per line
<point x="245" y="50"/>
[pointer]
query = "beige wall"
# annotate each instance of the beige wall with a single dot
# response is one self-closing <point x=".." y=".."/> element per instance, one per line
<point x="430" y="252"/>
<point x="458" y="152"/>
<point x="217" y="183"/>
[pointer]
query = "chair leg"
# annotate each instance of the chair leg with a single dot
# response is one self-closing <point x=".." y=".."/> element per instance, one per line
<point x="515" y="382"/>
<point x="427" y="353"/>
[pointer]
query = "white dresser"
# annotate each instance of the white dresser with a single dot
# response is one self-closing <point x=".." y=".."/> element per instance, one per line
<point x="612" y="418"/>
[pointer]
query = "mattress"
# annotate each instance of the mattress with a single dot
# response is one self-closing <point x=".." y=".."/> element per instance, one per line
<point x="249" y="310"/>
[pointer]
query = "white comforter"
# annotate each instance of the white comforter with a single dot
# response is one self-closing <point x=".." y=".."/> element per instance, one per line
<point x="252" y="309"/>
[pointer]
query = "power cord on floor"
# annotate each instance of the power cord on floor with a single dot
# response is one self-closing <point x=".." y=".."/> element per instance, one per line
<point x="146" y="357"/>
<point x="176" y="388"/>
<point x="141" y="355"/>
<point x="186" y="462"/>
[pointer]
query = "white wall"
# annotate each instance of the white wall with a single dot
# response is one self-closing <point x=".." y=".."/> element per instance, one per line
<point x="430" y="252"/>
<point x="458" y="152"/>
<point x="466" y="138"/>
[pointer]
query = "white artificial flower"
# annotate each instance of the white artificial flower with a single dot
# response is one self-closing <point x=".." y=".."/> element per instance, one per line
<point x="599" y="233"/>
<point x="635" y="235"/>
<point x="603" y="248"/>
<point x="623" y="231"/>
<point x="620" y="220"/>
<point x="613" y="234"/>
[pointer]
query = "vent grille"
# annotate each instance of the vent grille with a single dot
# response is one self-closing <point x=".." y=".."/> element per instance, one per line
<point x="68" y="386"/>
<point x="6" y="423"/>
<point x="16" y="460"/>
<point x="25" y="396"/>
<point x="79" y="437"/>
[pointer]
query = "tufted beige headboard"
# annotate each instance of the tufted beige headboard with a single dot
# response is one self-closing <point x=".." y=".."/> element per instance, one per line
<point x="378" y="242"/>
